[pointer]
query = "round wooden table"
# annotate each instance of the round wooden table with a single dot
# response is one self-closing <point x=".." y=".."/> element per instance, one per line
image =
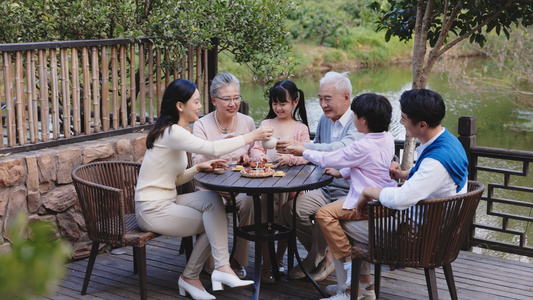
<point x="296" y="179"/>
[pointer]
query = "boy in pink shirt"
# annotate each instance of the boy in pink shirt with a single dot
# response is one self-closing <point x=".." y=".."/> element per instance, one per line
<point x="365" y="163"/>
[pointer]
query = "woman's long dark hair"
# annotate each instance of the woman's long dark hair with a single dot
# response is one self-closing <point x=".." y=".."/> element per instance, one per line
<point x="179" y="90"/>
<point x="278" y="93"/>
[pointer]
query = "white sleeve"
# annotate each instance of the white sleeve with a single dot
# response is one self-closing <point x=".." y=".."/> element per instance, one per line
<point x="429" y="178"/>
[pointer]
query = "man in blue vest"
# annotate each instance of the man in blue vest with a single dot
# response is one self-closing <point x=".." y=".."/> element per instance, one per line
<point x="441" y="170"/>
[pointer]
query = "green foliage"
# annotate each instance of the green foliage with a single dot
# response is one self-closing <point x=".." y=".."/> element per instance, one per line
<point x="253" y="31"/>
<point x="399" y="17"/>
<point x="328" y="19"/>
<point x="36" y="261"/>
<point x="319" y="19"/>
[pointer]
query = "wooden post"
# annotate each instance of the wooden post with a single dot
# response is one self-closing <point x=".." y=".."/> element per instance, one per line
<point x="150" y="84"/>
<point x="123" y="87"/>
<point x="76" y="92"/>
<point x="20" y="118"/>
<point x="65" y="91"/>
<point x="158" y="84"/>
<point x="86" y="90"/>
<point x="33" y="122"/>
<point x="96" y="89"/>
<point x="54" y="93"/>
<point x="205" y="83"/>
<point x="212" y="68"/>
<point x="114" y="86"/>
<point x="104" y="102"/>
<point x="467" y="137"/>
<point x="133" y="91"/>
<point x="142" y="86"/>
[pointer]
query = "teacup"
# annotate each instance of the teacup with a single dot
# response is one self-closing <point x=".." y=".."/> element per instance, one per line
<point x="218" y="171"/>
<point x="270" y="144"/>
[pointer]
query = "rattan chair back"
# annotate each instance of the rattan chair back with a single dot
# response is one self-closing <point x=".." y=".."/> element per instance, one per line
<point x="427" y="235"/>
<point x="106" y="193"/>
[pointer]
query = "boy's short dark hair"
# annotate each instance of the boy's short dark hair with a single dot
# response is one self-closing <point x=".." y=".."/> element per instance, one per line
<point x="375" y="108"/>
<point x="423" y="105"/>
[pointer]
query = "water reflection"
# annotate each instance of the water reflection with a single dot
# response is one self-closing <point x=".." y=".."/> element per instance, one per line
<point x="499" y="120"/>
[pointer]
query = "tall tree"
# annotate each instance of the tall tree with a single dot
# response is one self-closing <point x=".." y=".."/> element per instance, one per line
<point x="443" y="24"/>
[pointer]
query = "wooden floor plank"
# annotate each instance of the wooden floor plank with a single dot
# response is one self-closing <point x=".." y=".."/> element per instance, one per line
<point x="477" y="276"/>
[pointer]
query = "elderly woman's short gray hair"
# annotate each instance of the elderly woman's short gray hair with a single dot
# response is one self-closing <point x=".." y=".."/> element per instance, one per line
<point x="222" y="80"/>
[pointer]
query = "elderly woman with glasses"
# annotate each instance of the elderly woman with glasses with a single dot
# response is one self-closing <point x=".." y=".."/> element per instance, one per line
<point x="226" y="122"/>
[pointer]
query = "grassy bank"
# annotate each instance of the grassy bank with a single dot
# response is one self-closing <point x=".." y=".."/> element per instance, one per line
<point x="359" y="48"/>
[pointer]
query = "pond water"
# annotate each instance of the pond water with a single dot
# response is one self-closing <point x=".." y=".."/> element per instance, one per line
<point x="498" y="118"/>
<point x="499" y="123"/>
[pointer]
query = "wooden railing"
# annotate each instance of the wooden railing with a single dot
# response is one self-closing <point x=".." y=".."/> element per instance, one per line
<point x="505" y="216"/>
<point x="52" y="92"/>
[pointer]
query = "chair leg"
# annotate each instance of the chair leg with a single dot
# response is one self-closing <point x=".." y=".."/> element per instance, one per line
<point x="135" y="261"/>
<point x="141" y="267"/>
<point x="448" y="273"/>
<point x="356" y="270"/>
<point x="90" y="265"/>
<point x="431" y="282"/>
<point x="186" y="246"/>
<point x="377" y="279"/>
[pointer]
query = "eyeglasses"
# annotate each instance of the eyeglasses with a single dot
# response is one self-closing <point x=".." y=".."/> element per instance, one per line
<point x="228" y="99"/>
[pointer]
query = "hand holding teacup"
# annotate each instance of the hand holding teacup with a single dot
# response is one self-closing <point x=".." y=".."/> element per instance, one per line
<point x="282" y="145"/>
<point x="260" y="134"/>
<point x="295" y="149"/>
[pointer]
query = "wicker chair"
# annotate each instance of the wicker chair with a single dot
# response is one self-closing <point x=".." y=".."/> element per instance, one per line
<point x="106" y="191"/>
<point x="432" y="240"/>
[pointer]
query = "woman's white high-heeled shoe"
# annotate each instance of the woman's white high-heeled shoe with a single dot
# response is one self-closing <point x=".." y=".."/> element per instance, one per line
<point x="193" y="291"/>
<point x="218" y="278"/>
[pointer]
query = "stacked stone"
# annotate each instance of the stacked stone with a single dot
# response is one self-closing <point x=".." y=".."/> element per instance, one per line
<point x="40" y="184"/>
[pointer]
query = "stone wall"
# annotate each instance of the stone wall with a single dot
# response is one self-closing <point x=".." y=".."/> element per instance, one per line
<point x="40" y="183"/>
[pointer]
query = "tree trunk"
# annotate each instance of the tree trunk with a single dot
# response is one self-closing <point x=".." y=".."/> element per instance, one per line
<point x="423" y="20"/>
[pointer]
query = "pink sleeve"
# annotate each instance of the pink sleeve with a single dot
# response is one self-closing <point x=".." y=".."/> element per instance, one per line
<point x="301" y="134"/>
<point x="257" y="150"/>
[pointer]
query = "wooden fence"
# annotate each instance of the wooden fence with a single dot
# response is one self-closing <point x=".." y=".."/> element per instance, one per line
<point x="56" y="91"/>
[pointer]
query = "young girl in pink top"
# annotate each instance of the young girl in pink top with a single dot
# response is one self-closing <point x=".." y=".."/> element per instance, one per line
<point x="288" y="117"/>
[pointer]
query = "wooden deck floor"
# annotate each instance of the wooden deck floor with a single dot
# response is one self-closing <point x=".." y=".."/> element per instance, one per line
<point x="477" y="277"/>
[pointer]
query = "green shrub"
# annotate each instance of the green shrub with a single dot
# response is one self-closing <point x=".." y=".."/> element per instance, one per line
<point x="35" y="264"/>
<point x="335" y="56"/>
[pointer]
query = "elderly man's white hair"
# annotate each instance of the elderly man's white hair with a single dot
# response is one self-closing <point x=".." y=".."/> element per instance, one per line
<point x="339" y="80"/>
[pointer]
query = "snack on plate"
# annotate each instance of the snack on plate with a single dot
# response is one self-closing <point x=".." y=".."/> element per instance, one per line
<point x="237" y="168"/>
<point x="258" y="172"/>
<point x="269" y="165"/>
<point x="279" y="173"/>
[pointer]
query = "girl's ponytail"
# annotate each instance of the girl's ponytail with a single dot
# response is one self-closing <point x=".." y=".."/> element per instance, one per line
<point x="300" y="109"/>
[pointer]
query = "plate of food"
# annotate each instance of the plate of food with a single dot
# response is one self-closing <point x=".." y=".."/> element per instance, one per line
<point x="258" y="172"/>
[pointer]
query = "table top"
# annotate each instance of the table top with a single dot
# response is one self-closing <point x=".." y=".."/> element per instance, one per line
<point x="297" y="178"/>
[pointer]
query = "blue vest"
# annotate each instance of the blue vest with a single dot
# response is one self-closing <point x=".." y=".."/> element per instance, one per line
<point x="450" y="153"/>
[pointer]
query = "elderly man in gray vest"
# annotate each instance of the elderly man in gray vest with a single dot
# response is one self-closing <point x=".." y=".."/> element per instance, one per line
<point x="335" y="130"/>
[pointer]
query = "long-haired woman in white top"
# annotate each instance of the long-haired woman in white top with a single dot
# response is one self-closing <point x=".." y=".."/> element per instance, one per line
<point x="201" y="213"/>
